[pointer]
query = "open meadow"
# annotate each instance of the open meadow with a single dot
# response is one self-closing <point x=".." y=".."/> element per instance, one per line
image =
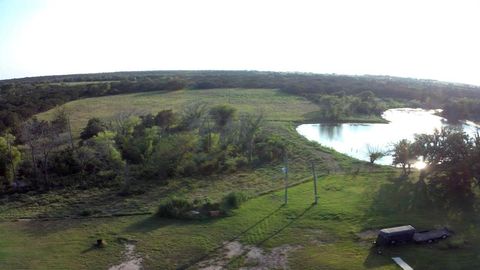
<point x="274" y="104"/>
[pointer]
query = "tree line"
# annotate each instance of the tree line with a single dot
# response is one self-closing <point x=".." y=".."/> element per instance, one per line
<point x="20" y="99"/>
<point x="339" y="105"/>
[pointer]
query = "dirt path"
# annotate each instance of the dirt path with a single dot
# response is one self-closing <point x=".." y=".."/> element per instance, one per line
<point x="132" y="260"/>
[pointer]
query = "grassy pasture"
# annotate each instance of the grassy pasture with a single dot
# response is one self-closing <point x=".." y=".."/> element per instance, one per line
<point x="327" y="233"/>
<point x="276" y="105"/>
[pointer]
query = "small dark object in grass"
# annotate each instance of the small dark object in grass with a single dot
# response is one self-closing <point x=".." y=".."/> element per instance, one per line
<point x="215" y="213"/>
<point x="86" y="213"/>
<point x="101" y="243"/>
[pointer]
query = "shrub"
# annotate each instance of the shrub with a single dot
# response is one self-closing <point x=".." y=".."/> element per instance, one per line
<point x="85" y="213"/>
<point x="187" y="167"/>
<point x="233" y="200"/>
<point x="205" y="205"/>
<point x="174" y="208"/>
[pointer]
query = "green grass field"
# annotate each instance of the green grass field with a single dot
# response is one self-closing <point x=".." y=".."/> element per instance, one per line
<point x="326" y="235"/>
<point x="355" y="199"/>
<point x="275" y="105"/>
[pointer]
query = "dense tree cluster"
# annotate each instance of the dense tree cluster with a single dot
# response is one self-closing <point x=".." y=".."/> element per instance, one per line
<point x="452" y="157"/>
<point x="339" y="105"/>
<point x="462" y="109"/>
<point x="198" y="141"/>
<point x="22" y="98"/>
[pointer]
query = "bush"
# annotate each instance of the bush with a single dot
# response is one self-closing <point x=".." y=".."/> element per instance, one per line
<point x="174" y="208"/>
<point x="233" y="200"/>
<point x="187" y="167"/>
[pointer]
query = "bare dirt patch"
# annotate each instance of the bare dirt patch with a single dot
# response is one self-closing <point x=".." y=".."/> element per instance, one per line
<point x="255" y="257"/>
<point x="367" y="235"/>
<point x="132" y="260"/>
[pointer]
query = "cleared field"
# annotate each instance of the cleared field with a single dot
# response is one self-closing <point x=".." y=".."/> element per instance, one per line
<point x="335" y="234"/>
<point x="276" y="105"/>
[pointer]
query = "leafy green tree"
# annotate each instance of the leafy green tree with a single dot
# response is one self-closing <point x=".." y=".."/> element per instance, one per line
<point x="404" y="155"/>
<point x="60" y="119"/>
<point x="94" y="126"/>
<point x="374" y="153"/>
<point x="168" y="154"/>
<point x="449" y="154"/>
<point x="192" y="116"/>
<point x="164" y="119"/>
<point x="101" y="156"/>
<point x="222" y="114"/>
<point x="331" y="107"/>
<point x="10" y="158"/>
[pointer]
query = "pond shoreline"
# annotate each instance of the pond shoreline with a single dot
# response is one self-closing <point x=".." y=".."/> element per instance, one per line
<point x="357" y="136"/>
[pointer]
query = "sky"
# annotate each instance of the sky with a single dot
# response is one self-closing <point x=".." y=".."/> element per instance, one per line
<point x="408" y="38"/>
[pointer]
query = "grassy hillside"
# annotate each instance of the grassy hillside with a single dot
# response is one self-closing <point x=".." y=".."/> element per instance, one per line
<point x="276" y="105"/>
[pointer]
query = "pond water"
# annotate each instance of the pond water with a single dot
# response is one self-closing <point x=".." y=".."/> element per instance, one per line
<point x="354" y="139"/>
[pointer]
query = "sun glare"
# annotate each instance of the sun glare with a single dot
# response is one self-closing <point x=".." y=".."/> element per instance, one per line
<point x="420" y="165"/>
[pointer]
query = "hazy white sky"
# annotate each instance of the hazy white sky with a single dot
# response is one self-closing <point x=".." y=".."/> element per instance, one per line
<point x="422" y="39"/>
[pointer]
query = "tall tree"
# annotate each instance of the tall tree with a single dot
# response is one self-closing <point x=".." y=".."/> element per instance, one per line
<point x="10" y="157"/>
<point x="404" y="155"/>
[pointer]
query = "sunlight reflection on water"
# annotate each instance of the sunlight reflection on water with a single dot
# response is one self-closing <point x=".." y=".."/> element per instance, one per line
<point x="354" y="138"/>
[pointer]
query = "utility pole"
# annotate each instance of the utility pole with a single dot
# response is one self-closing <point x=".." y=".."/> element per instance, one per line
<point x="70" y="133"/>
<point x="285" y="171"/>
<point x="315" y="183"/>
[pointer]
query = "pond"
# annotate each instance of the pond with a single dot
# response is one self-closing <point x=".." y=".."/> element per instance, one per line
<point x="354" y="139"/>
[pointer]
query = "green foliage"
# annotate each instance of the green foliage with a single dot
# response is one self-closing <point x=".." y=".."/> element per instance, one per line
<point x="60" y="119"/>
<point x="94" y="126"/>
<point x="233" y="200"/>
<point x="222" y="114"/>
<point x="168" y="153"/>
<point x="336" y="107"/>
<point x="99" y="155"/>
<point x="452" y="158"/>
<point x="374" y="153"/>
<point x="22" y="98"/>
<point x="462" y="109"/>
<point x="192" y="116"/>
<point x="64" y="162"/>
<point x="179" y="208"/>
<point x="270" y="147"/>
<point x="10" y="158"/>
<point x="165" y="119"/>
<point x="174" y="208"/>
<point x="404" y="154"/>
